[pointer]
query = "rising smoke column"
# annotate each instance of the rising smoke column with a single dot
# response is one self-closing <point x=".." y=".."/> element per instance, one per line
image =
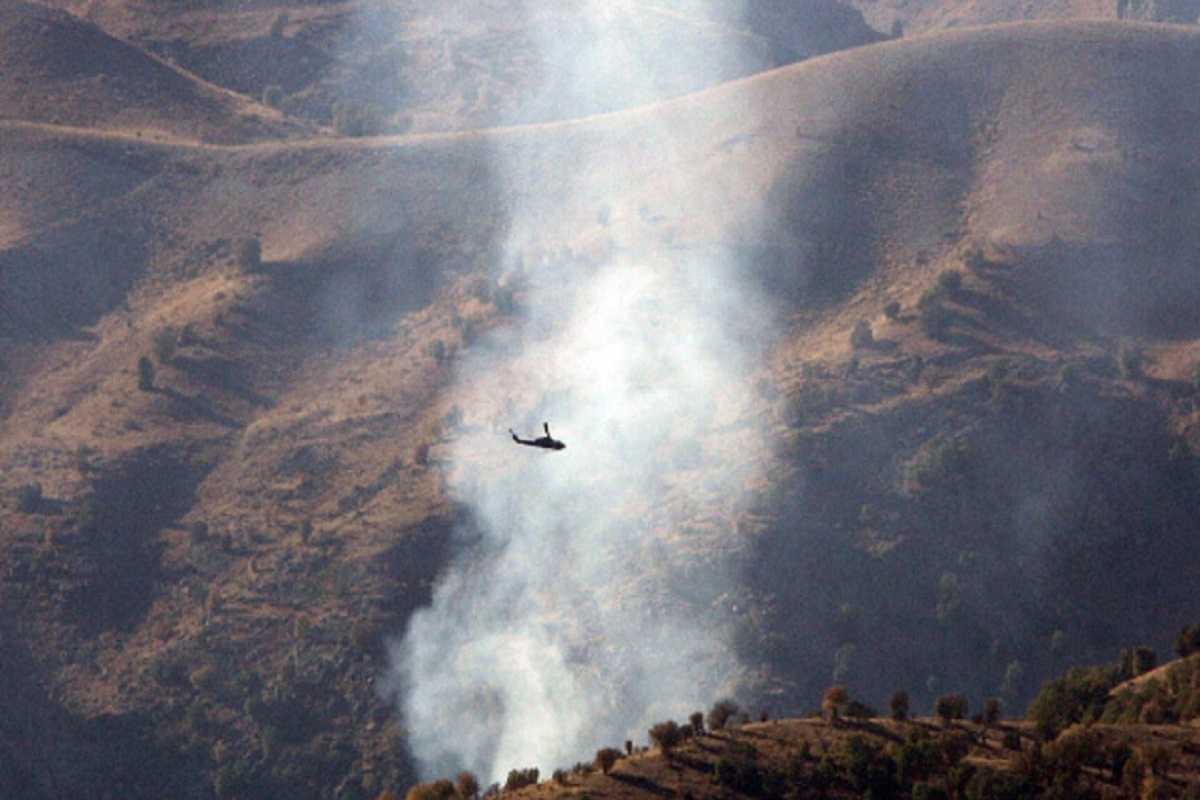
<point x="590" y="597"/>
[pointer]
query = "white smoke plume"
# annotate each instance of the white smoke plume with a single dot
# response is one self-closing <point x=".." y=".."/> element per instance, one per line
<point x="591" y="596"/>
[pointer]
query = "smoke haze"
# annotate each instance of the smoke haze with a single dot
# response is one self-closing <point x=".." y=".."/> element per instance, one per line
<point x="591" y="595"/>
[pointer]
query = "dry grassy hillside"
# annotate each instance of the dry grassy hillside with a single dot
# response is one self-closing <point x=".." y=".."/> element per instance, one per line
<point x="202" y="563"/>
<point x="63" y="71"/>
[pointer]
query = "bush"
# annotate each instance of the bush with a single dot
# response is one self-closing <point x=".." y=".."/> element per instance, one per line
<point x="991" y="711"/>
<point x="857" y="710"/>
<point x="835" y="697"/>
<point x="892" y="310"/>
<point x="666" y="736"/>
<point x="1135" y="662"/>
<point x="738" y="771"/>
<point x="145" y="373"/>
<point x="1188" y="641"/>
<point x="950" y="707"/>
<point x="353" y="119"/>
<point x="520" y="778"/>
<point x="434" y="790"/>
<point x="29" y="497"/>
<point x="932" y="315"/>
<point x="917" y="759"/>
<point x="247" y="253"/>
<point x="273" y="96"/>
<point x="163" y="346"/>
<point x="862" y="336"/>
<point x="720" y="714"/>
<point x="606" y="758"/>
<point x="950" y="282"/>
<point x="1079" y="696"/>
<point x="871" y="771"/>
<point x="900" y="706"/>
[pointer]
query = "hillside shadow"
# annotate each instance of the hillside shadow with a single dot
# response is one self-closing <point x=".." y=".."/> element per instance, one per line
<point x="222" y="373"/>
<point x="115" y="558"/>
<point x="66" y="279"/>
<point x="197" y="407"/>
<point x="642" y="784"/>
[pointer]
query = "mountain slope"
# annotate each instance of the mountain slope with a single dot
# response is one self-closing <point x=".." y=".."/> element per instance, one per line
<point x="63" y="71"/>
<point x="950" y="505"/>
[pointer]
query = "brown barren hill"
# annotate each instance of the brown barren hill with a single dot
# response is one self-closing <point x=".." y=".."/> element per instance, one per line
<point x="61" y="70"/>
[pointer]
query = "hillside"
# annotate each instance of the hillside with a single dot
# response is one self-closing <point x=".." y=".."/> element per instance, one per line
<point x="63" y="71"/>
<point x="421" y="66"/>
<point x="207" y="569"/>
<point x="812" y="758"/>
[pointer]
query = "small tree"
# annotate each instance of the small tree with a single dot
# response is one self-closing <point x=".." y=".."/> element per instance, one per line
<point x="441" y="789"/>
<point x="862" y="336"/>
<point x="720" y="714"/>
<point x="606" y="759"/>
<point x="950" y="282"/>
<point x="900" y="706"/>
<point x="697" y="722"/>
<point x="145" y="372"/>
<point x="164" y="344"/>
<point x="991" y="712"/>
<point x="835" y="697"/>
<point x="859" y="711"/>
<point x="520" y="778"/>
<point x="950" y="707"/>
<point x="467" y="785"/>
<point x="273" y="96"/>
<point x="1188" y="641"/>
<point x="666" y="736"/>
<point x="247" y="253"/>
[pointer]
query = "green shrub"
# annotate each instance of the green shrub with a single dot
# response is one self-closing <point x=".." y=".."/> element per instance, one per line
<point x="1078" y="696"/>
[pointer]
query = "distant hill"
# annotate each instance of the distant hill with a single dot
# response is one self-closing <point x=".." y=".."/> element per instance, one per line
<point x="63" y="71"/>
<point x="436" y="66"/>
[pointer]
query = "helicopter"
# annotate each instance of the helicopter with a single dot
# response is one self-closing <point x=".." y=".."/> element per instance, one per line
<point x="546" y="442"/>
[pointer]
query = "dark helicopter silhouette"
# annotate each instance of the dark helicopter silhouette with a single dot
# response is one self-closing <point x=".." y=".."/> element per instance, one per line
<point x="547" y="442"/>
